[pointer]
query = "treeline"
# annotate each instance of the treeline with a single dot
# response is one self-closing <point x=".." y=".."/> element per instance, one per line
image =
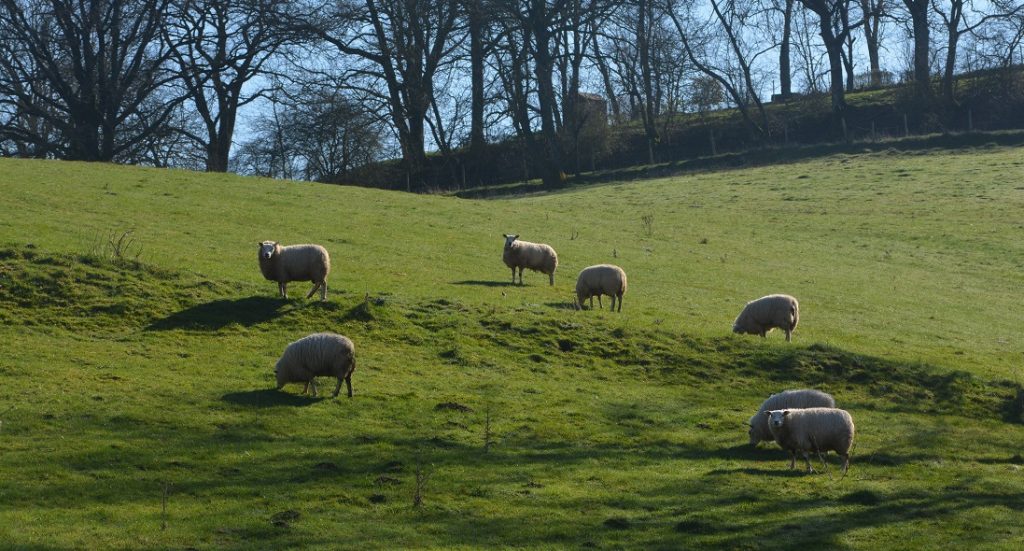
<point x="493" y="89"/>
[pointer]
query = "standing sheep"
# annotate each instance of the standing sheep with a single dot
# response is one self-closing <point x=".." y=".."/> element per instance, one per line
<point x="812" y="429"/>
<point x="602" y="279"/>
<point x="787" y="399"/>
<point x="766" y="313"/>
<point x="538" y="257"/>
<point x="317" y="355"/>
<point x="295" y="263"/>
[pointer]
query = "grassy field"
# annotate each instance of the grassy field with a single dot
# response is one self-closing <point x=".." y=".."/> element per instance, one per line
<point x="137" y="407"/>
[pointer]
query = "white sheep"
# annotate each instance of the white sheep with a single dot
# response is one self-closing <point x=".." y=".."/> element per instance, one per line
<point x="812" y="429"/>
<point x="538" y="257"/>
<point x="317" y="355"/>
<point x="295" y="263"/>
<point x="766" y="313"/>
<point x="787" y="399"/>
<point x="602" y="279"/>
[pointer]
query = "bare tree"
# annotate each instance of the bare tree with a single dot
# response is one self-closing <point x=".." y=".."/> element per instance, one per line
<point x="957" y="19"/>
<point x="834" y="24"/>
<point x="219" y="47"/>
<point x="77" y="75"/>
<point x="733" y="70"/>
<point x="391" y="49"/>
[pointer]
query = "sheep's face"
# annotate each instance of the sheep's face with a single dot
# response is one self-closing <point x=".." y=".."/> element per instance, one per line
<point x="777" y="418"/>
<point x="267" y="249"/>
<point x="509" y="240"/>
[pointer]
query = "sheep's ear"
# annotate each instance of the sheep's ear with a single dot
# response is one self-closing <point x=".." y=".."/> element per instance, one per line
<point x="516" y="236"/>
<point x="785" y="413"/>
<point x="505" y="235"/>
<point x="768" y="413"/>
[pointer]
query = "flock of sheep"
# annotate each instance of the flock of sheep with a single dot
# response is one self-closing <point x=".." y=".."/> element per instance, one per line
<point x="801" y="421"/>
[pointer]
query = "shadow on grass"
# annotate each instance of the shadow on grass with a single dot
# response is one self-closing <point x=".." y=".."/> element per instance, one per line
<point x="483" y="283"/>
<point x="269" y="397"/>
<point x="566" y="305"/>
<point x="220" y="313"/>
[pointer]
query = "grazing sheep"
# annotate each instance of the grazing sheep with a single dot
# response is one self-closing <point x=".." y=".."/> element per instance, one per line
<point x="787" y="399"/>
<point x="317" y="355"/>
<point x="295" y="263"/>
<point x="602" y="279"/>
<point x="812" y="429"/>
<point x="766" y="313"/>
<point x="538" y="257"/>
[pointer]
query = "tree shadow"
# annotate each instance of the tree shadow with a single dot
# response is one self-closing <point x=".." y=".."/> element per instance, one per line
<point x="221" y="313"/>
<point x="483" y="283"/>
<point x="269" y="397"/>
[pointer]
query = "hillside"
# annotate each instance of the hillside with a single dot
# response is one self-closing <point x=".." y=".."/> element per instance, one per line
<point x="137" y="407"/>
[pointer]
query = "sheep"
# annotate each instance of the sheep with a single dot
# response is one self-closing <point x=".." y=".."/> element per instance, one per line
<point x="812" y="429"/>
<point x="787" y="399"/>
<point x="538" y="257"/>
<point x="766" y="313"/>
<point x="317" y="355"/>
<point x="602" y="279"/>
<point x="295" y="263"/>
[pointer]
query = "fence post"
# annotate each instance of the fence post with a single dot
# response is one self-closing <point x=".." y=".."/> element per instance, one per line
<point x="872" y="131"/>
<point x="906" y="128"/>
<point x="846" y="136"/>
<point x="714" y="149"/>
<point x="970" y="120"/>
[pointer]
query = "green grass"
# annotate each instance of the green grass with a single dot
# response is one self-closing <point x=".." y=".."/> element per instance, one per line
<point x="125" y="380"/>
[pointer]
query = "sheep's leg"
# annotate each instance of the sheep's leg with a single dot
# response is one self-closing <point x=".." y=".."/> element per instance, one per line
<point x="789" y="335"/>
<point x="513" y="275"/>
<point x="282" y="288"/>
<point x="613" y="303"/>
<point x="348" y="383"/>
<point x="337" y="389"/>
<point x="591" y="302"/>
<point x="313" y="382"/>
<point x="792" y="459"/>
<point x="305" y="389"/>
<point x="807" y="461"/>
<point x="520" y="275"/>
<point x="313" y="290"/>
<point x="551" y="278"/>
<point x="620" y="303"/>
<point x="598" y="301"/>
<point x="323" y="291"/>
<point x="846" y="462"/>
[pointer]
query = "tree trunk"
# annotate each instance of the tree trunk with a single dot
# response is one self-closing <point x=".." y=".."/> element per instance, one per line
<point x="871" y="24"/>
<point x="551" y="160"/>
<point x="643" y="48"/>
<point x="476" y="139"/>
<point x="785" y="75"/>
<point x="919" y="17"/>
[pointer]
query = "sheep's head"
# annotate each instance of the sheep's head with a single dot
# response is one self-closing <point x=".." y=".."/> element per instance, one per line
<point x="267" y="249"/>
<point x="777" y="418"/>
<point x="510" y="239"/>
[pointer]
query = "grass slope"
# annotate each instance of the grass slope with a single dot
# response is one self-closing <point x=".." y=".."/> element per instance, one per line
<point x="136" y="407"/>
